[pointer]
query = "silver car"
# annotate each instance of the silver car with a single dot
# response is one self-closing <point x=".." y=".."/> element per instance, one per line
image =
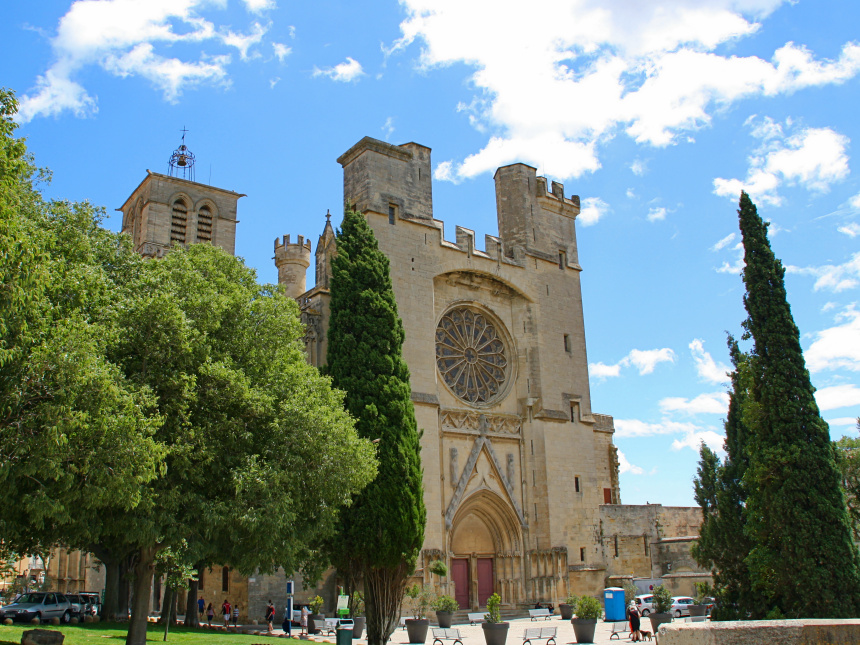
<point x="43" y="605"/>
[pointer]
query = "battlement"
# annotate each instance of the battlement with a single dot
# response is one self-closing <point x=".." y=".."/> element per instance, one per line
<point x="285" y="246"/>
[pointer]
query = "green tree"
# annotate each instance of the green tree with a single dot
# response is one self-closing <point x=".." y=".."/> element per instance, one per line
<point x="848" y="453"/>
<point x="383" y="531"/>
<point x="723" y="545"/>
<point x="803" y="562"/>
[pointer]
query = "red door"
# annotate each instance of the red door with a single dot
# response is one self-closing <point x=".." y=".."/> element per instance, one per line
<point x="485" y="580"/>
<point x="460" y="575"/>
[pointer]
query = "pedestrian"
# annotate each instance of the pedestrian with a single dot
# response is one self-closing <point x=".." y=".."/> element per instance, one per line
<point x="236" y="615"/>
<point x="633" y="612"/>
<point x="225" y="612"/>
<point x="305" y="613"/>
<point x="201" y="606"/>
<point x="270" y="616"/>
<point x="210" y="614"/>
<point x="287" y="625"/>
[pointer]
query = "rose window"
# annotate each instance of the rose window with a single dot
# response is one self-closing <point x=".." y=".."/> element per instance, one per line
<point x="470" y="355"/>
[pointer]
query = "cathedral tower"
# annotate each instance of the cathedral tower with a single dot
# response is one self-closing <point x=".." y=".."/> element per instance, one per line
<point x="292" y="261"/>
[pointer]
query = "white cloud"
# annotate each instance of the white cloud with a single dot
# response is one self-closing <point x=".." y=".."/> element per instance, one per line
<point x="835" y="397"/>
<point x="258" y="6"/>
<point x="643" y="360"/>
<point x="274" y="81"/>
<point x="657" y="214"/>
<point x="852" y="229"/>
<point x="550" y="91"/>
<point x="281" y="51"/>
<point x="625" y="466"/>
<point x="706" y="367"/>
<point x="843" y="421"/>
<point x="813" y="158"/>
<point x="854" y="202"/>
<point x="345" y="72"/>
<point x="636" y="428"/>
<point x="738" y="265"/>
<point x="591" y="210"/>
<point x="445" y="172"/>
<point x="638" y="167"/>
<point x="388" y="128"/>
<point x="837" y="347"/>
<point x="693" y="440"/>
<point x="121" y="36"/>
<point x="831" y="277"/>
<point x="728" y="239"/>
<point x="713" y="403"/>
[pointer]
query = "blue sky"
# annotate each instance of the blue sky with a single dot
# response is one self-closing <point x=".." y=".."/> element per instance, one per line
<point x="656" y="113"/>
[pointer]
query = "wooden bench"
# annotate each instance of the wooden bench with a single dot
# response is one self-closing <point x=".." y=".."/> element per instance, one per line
<point x="540" y="633"/>
<point x="534" y="614"/>
<point x="446" y="634"/>
<point x="476" y="618"/>
<point x="620" y="627"/>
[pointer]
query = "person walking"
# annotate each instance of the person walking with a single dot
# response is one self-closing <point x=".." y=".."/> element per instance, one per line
<point x="225" y="612"/>
<point x="201" y="607"/>
<point x="633" y="612"/>
<point x="287" y="625"/>
<point x="305" y="620"/>
<point x="210" y="614"/>
<point x="236" y="615"/>
<point x="270" y="616"/>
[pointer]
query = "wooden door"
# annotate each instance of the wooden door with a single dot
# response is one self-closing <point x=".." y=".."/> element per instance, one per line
<point x="485" y="580"/>
<point x="460" y="575"/>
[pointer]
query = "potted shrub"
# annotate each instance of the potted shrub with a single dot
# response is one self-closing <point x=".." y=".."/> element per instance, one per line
<point x="567" y="607"/>
<point x="703" y="590"/>
<point x="588" y="610"/>
<point x="358" y="618"/>
<point x="315" y="606"/>
<point x="445" y="606"/>
<point x="662" y="608"/>
<point x="495" y="631"/>
<point x="416" y="627"/>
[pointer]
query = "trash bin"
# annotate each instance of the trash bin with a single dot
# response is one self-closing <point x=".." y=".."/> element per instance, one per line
<point x="613" y="603"/>
<point x="344" y="635"/>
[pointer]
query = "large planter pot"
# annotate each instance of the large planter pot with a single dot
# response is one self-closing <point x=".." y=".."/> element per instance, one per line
<point x="417" y="628"/>
<point x="358" y="627"/>
<point x="566" y="611"/>
<point x="495" y="633"/>
<point x="315" y="622"/>
<point x="657" y="620"/>
<point x="444" y="618"/>
<point x="583" y="629"/>
<point x="698" y="610"/>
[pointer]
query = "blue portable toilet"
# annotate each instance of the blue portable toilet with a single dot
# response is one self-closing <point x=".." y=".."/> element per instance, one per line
<point x="613" y="603"/>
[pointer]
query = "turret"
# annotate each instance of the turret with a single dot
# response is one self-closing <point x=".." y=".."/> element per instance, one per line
<point x="292" y="261"/>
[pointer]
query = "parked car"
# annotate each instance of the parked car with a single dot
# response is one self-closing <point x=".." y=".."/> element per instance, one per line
<point x="43" y="605"/>
<point x="681" y="605"/>
<point x="644" y="603"/>
<point x="709" y="602"/>
<point x="93" y="602"/>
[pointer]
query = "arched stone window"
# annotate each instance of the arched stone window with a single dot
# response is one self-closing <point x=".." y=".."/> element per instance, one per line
<point x="178" y="222"/>
<point x="204" y="224"/>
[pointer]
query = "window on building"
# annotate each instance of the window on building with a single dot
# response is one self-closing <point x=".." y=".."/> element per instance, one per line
<point x="574" y="409"/>
<point x="204" y="224"/>
<point x="567" y="343"/>
<point x="178" y="222"/>
<point x="582" y="554"/>
<point x="225" y="579"/>
<point x="576" y="484"/>
<point x="392" y="213"/>
<point x="562" y="259"/>
<point x="607" y="495"/>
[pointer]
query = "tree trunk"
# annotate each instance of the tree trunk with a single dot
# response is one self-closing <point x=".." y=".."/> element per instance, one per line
<point x="143" y="570"/>
<point x="124" y="595"/>
<point x="383" y="590"/>
<point x="192" y="619"/>
<point x="111" y="602"/>
<point x="166" y="605"/>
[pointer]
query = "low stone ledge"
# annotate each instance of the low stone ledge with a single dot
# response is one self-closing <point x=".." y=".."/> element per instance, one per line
<point x="751" y="632"/>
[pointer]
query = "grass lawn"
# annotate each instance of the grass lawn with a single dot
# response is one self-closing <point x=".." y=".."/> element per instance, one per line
<point x="114" y="634"/>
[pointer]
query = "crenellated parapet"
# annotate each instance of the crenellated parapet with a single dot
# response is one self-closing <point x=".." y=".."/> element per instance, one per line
<point x="292" y="260"/>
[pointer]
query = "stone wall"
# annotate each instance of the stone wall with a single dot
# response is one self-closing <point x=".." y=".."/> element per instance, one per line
<point x="785" y="632"/>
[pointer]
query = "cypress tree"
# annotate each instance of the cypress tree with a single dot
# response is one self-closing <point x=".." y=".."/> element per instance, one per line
<point x="384" y="529"/>
<point x="803" y="561"/>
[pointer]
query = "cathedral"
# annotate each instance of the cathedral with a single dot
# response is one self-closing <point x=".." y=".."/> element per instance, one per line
<point x="520" y="474"/>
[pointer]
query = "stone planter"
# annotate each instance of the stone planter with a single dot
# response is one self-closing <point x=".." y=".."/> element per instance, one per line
<point x="698" y="610"/>
<point x="313" y="621"/>
<point x="444" y="618"/>
<point x="417" y="628"/>
<point x="495" y="633"/>
<point x="566" y="611"/>
<point x="358" y="627"/>
<point x="583" y="629"/>
<point x="657" y="620"/>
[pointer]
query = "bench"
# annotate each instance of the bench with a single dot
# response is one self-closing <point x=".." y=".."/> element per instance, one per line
<point x="534" y="614"/>
<point x="621" y="627"/>
<point x="446" y="634"/>
<point x="329" y="627"/>
<point x="476" y="618"/>
<point x="540" y="633"/>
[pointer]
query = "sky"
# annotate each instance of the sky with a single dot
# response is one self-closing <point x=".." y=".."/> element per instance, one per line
<point x="656" y="113"/>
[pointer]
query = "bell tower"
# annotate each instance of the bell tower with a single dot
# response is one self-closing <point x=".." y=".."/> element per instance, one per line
<point x="175" y="209"/>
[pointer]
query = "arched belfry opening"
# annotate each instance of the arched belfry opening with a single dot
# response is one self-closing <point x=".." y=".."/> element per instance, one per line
<point x="485" y="548"/>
